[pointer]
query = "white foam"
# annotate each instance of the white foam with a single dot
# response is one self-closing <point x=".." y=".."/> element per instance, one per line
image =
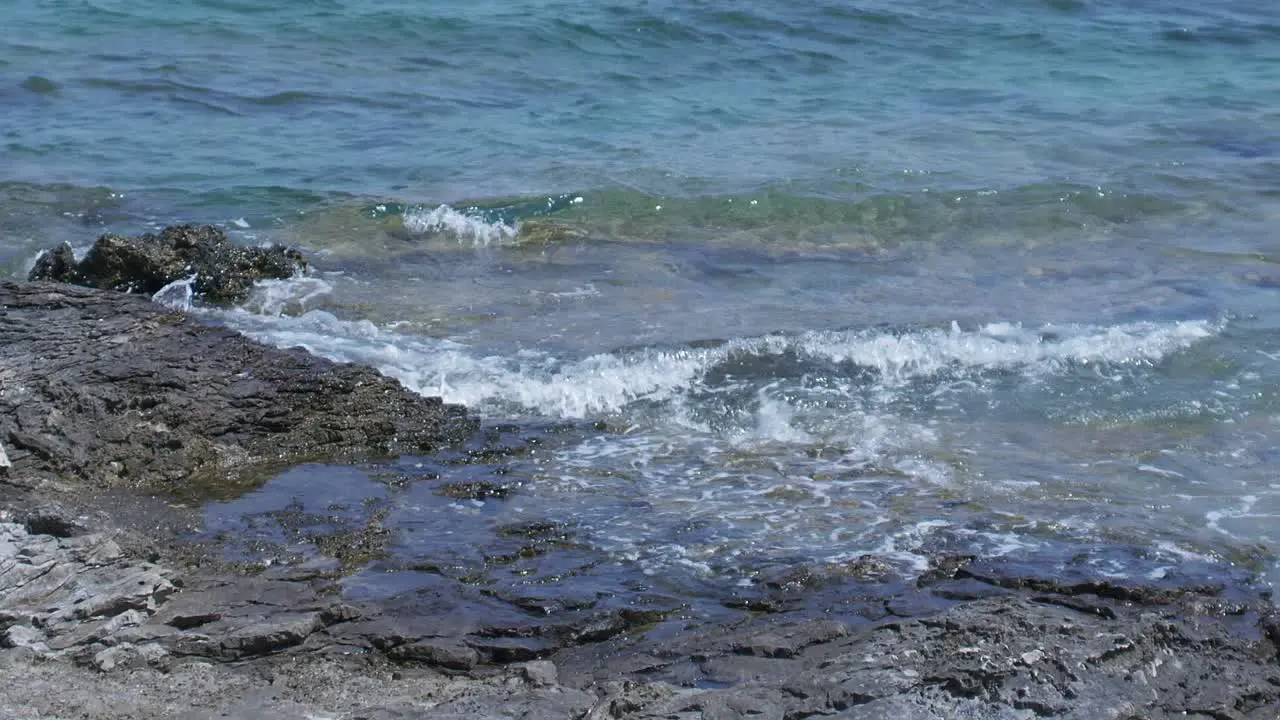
<point x="445" y="219"/>
<point x="609" y="382"/>
<point x="273" y="297"/>
<point x="1003" y="346"/>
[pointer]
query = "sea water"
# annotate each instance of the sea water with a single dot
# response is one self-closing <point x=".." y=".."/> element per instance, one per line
<point x="834" y="278"/>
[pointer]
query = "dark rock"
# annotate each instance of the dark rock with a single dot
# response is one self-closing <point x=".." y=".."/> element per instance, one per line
<point x="943" y="567"/>
<point x="223" y="272"/>
<point x="113" y="391"/>
<point x="994" y="658"/>
<point x="474" y="490"/>
<point x="186" y="621"/>
<point x="58" y="264"/>
<point x="788" y="641"/>
<point x="441" y="652"/>
<point x="504" y="650"/>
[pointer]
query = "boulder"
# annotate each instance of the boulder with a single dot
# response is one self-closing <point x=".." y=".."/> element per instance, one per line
<point x="222" y="272"/>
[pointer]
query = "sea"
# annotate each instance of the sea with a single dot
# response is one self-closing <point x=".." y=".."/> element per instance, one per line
<point x="744" y="285"/>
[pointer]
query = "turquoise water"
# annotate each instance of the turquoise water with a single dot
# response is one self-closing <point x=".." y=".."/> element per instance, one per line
<point x="842" y="277"/>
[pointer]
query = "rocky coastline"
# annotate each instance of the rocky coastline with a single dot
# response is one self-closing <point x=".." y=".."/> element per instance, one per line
<point x="118" y="416"/>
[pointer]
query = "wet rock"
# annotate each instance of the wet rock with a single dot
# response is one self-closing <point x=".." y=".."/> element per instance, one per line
<point x="58" y="264"/>
<point x="110" y="390"/>
<point x="475" y="490"/>
<point x="1000" y="657"/>
<point x="547" y="232"/>
<point x="504" y="650"/>
<point x="788" y="641"/>
<point x="222" y="271"/>
<point x="943" y="567"/>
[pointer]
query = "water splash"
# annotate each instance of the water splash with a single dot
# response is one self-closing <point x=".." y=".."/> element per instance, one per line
<point x="288" y="296"/>
<point x="463" y="226"/>
<point x="177" y="295"/>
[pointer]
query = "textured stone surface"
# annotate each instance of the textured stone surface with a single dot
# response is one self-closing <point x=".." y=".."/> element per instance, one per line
<point x="56" y="593"/>
<point x="221" y="271"/>
<point x="110" y="390"/>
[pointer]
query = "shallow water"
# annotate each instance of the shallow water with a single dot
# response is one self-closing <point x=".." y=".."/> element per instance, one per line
<point x="893" y="278"/>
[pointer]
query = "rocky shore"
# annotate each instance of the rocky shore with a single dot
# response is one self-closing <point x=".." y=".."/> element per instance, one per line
<point x="118" y="416"/>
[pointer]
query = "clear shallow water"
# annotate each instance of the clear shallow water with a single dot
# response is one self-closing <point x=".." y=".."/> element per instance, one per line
<point x="842" y="279"/>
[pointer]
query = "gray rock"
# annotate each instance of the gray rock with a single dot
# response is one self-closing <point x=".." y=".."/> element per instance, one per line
<point x="25" y="636"/>
<point x="271" y="634"/>
<point x="442" y="652"/>
<point x="109" y="390"/>
<point x="124" y="655"/>
<point x="541" y="673"/>
<point x="539" y="704"/>
<point x="57" y="584"/>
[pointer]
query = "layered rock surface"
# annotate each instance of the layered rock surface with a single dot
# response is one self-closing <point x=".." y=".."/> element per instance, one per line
<point x="110" y="390"/>
<point x="286" y="645"/>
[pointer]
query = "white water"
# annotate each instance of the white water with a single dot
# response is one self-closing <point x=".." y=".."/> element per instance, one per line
<point x="609" y="382"/>
<point x="840" y="444"/>
<point x="445" y="219"/>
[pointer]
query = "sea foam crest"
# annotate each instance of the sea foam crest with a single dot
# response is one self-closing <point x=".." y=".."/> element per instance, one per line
<point x="1000" y="346"/>
<point x="463" y="226"/>
<point x="608" y="382"/>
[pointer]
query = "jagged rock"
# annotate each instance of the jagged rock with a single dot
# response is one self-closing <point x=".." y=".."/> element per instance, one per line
<point x="58" y="264"/>
<point x="113" y="391"/>
<point x="553" y="702"/>
<point x="1001" y="657"/>
<point x="101" y="631"/>
<point x="25" y="636"/>
<point x="57" y="593"/>
<point x="540" y="673"/>
<point x="127" y="655"/>
<point x="222" y="271"/>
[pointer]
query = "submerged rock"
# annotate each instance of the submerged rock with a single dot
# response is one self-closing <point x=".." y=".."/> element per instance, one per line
<point x="222" y="271"/>
<point x="547" y="232"/>
<point x="114" y="391"/>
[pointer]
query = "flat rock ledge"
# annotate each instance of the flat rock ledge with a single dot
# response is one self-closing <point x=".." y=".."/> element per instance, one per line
<point x="109" y="390"/>
<point x="89" y="631"/>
